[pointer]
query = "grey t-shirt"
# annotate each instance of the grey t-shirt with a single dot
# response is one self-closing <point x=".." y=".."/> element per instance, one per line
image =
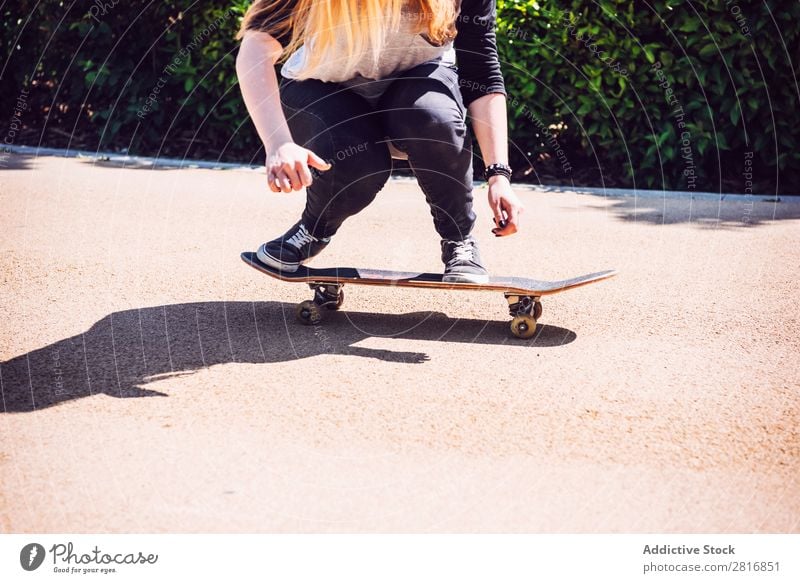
<point x="404" y="49"/>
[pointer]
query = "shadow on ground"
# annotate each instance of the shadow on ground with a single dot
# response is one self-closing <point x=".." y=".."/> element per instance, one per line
<point x="11" y="161"/>
<point x="723" y="214"/>
<point x="19" y="161"/>
<point x="121" y="353"/>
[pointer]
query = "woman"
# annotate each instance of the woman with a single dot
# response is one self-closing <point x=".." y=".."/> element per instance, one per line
<point x="365" y="81"/>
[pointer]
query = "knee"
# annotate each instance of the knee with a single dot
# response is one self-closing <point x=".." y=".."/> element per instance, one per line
<point x="310" y="131"/>
<point x="430" y="126"/>
<point x="353" y="148"/>
<point x="361" y="167"/>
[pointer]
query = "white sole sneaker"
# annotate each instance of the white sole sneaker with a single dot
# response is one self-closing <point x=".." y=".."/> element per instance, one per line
<point x="274" y="263"/>
<point x="466" y="278"/>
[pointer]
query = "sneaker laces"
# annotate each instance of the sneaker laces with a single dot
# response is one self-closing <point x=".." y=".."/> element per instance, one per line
<point x="301" y="238"/>
<point x="463" y="251"/>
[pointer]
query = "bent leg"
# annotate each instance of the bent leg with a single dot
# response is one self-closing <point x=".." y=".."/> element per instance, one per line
<point x="339" y="126"/>
<point x="423" y="114"/>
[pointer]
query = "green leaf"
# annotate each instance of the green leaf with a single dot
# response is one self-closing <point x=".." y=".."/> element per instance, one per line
<point x="708" y="50"/>
<point x="690" y="25"/>
<point x="585" y="108"/>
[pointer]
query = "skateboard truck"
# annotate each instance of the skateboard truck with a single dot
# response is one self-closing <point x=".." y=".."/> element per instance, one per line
<point x="524" y="311"/>
<point x="326" y="295"/>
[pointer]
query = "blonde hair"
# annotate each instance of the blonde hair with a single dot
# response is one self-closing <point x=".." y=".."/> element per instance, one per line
<point x="360" y="24"/>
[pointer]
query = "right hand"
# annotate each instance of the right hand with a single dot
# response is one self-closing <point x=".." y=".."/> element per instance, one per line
<point x="287" y="167"/>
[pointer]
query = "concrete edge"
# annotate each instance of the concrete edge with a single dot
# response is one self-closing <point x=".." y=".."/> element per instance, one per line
<point x="177" y="163"/>
<point x="132" y="161"/>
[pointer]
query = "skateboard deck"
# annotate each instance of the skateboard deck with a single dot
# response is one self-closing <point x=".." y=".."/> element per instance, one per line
<point x="523" y="294"/>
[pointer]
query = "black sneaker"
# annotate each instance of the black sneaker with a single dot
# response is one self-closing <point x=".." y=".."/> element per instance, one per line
<point x="292" y="249"/>
<point x="462" y="262"/>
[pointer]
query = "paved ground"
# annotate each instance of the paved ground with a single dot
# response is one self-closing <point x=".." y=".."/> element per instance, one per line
<point x="153" y="382"/>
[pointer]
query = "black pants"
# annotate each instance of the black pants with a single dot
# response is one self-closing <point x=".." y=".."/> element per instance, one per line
<point x="421" y="112"/>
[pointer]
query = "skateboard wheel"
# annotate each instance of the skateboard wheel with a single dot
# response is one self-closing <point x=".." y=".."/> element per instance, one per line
<point x="537" y="310"/>
<point x="339" y="301"/>
<point x="308" y="313"/>
<point x="523" y="326"/>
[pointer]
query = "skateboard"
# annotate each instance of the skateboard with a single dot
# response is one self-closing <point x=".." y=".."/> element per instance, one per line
<point x="523" y="294"/>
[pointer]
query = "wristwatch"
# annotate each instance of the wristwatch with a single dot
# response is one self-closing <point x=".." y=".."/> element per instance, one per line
<point x="495" y="169"/>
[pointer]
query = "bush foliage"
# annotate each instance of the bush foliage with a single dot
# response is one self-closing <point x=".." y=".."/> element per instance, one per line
<point x="665" y="94"/>
<point x="152" y="78"/>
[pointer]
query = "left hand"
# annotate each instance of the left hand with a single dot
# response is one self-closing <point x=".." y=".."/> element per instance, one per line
<point x="505" y="205"/>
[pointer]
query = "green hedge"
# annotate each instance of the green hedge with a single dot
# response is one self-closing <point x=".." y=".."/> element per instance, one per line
<point x="683" y="95"/>
<point x="679" y="96"/>
<point x="152" y="78"/>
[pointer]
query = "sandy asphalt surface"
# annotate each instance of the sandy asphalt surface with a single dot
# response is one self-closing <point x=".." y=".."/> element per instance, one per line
<point x="153" y="382"/>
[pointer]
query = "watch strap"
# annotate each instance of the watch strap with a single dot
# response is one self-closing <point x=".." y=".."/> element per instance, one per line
<point x="497" y="168"/>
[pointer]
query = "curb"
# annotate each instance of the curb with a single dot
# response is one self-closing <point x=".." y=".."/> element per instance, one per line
<point x="177" y="163"/>
<point x="124" y="159"/>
